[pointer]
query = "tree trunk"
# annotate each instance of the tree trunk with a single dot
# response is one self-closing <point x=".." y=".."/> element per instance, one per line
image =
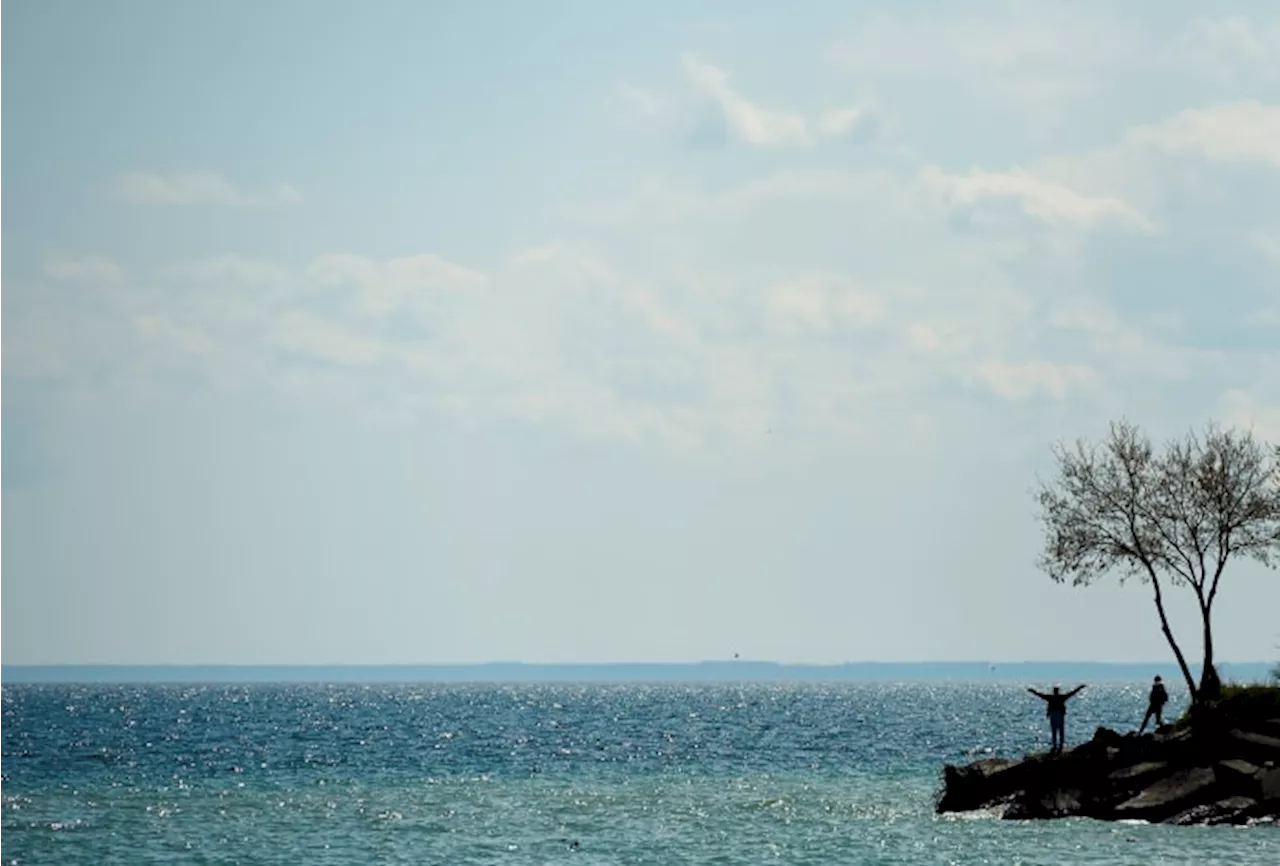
<point x="1173" y="644"/>
<point x="1210" y="686"/>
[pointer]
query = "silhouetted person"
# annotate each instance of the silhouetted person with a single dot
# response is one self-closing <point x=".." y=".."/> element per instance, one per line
<point x="1056" y="710"/>
<point x="1155" y="705"/>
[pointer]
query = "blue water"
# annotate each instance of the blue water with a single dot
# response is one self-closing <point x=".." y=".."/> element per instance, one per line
<point x="538" y="774"/>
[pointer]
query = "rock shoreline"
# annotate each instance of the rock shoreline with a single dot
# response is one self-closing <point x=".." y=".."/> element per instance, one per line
<point x="1213" y="773"/>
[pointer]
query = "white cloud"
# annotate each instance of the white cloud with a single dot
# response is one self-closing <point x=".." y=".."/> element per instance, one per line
<point x="187" y="341"/>
<point x="749" y="122"/>
<point x="744" y="119"/>
<point x="1230" y="50"/>
<point x="1035" y="40"/>
<point x="1042" y="198"/>
<point x="924" y="337"/>
<point x="198" y="187"/>
<point x="1039" y="58"/>
<point x="708" y="87"/>
<point x="557" y="336"/>
<point x="1017" y="309"/>
<point x="1241" y="408"/>
<point x="666" y="199"/>
<point x="1020" y="381"/>
<point x="1243" y="131"/>
<point x="815" y="303"/>
<point x="314" y="336"/>
<point x="839" y="121"/>
<point x="1049" y="67"/>
<point x="92" y="269"/>
<point x="835" y="291"/>
<point x="381" y="290"/>
<point x="237" y="270"/>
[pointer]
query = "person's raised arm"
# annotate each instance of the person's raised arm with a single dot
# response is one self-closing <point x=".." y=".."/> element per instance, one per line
<point x="1038" y="695"/>
<point x="1075" y="690"/>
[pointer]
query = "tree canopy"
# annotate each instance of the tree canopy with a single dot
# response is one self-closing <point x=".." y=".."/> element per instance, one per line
<point x="1174" y="516"/>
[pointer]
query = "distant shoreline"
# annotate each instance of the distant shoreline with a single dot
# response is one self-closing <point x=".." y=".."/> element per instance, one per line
<point x="635" y="672"/>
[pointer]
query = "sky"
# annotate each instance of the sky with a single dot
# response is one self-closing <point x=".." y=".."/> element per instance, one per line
<point x="404" y="332"/>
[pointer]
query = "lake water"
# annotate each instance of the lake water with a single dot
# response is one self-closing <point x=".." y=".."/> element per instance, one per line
<point x="540" y="774"/>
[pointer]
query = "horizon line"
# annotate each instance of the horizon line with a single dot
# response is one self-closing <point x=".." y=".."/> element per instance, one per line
<point x="626" y="663"/>
<point x="706" y="671"/>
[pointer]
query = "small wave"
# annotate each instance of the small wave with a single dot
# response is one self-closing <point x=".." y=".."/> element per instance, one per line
<point x="991" y="813"/>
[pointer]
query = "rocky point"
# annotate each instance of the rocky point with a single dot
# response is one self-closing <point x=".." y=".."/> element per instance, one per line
<point x="1217" y="771"/>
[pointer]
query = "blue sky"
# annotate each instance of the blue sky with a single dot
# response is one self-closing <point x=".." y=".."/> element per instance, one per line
<point x="433" y="333"/>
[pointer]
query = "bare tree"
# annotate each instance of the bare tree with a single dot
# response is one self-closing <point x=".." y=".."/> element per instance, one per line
<point x="1174" y="518"/>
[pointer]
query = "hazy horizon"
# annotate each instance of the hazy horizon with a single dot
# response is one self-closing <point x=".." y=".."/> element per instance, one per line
<point x="704" y="671"/>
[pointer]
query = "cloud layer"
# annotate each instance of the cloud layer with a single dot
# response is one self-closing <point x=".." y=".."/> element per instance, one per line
<point x="196" y="188"/>
<point x="834" y="289"/>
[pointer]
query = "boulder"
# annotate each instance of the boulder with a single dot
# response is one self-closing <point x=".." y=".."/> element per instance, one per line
<point x="1255" y="748"/>
<point x="1269" y="784"/>
<point x="1055" y="803"/>
<point x="982" y="783"/>
<point x="1170" y="734"/>
<point x="1138" y="776"/>
<point x="1238" y="777"/>
<point x="1107" y="737"/>
<point x="1265" y="810"/>
<point x="1170" y="795"/>
<point x="1232" y="810"/>
<point x="1084" y="766"/>
<point x="1123" y="749"/>
<point x="1223" y="768"/>
<point x="1177" y="746"/>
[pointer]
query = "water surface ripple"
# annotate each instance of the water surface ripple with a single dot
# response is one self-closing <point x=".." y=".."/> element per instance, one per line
<point x="538" y="774"/>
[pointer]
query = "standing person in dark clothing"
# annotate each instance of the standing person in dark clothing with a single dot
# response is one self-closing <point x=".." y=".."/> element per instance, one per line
<point x="1155" y="704"/>
<point x="1056" y="710"/>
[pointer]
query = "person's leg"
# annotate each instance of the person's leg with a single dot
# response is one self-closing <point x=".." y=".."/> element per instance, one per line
<point x="1147" y="718"/>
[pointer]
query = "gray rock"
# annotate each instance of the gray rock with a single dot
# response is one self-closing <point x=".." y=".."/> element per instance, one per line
<point x="1170" y="795"/>
<point x="1138" y="775"/>
<point x="1107" y="737"/>
<point x="1269" y="784"/>
<point x="1239" y="777"/>
<point x="1057" y="803"/>
<point x="1169" y="734"/>
<point x="1232" y="810"/>
<point x="1255" y="748"/>
<point x="982" y="783"/>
